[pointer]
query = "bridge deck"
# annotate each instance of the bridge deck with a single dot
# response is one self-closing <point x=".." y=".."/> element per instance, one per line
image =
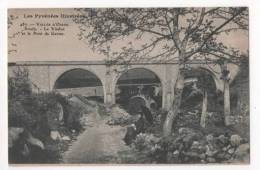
<point x="31" y="63"/>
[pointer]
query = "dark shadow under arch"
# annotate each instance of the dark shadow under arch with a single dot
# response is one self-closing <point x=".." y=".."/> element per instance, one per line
<point x="138" y="81"/>
<point x="197" y="79"/>
<point x="80" y="81"/>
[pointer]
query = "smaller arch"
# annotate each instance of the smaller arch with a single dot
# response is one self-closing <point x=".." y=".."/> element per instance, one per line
<point x="198" y="82"/>
<point x="77" y="73"/>
<point x="116" y="78"/>
<point x="137" y="68"/>
<point x="218" y="83"/>
<point x="79" y="81"/>
<point x="144" y="77"/>
<point x="135" y="103"/>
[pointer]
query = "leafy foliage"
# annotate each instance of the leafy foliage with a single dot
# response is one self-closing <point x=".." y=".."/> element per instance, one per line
<point x="179" y="33"/>
<point x="165" y="35"/>
<point x="19" y="85"/>
<point x="37" y="114"/>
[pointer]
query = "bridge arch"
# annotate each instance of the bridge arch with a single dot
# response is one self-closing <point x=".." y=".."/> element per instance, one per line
<point x="213" y="70"/>
<point x="197" y="81"/>
<point x="138" y="80"/>
<point x="79" y="81"/>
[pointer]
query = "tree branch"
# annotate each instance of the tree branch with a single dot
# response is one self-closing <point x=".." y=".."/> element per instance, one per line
<point x="172" y="34"/>
<point x="189" y="54"/>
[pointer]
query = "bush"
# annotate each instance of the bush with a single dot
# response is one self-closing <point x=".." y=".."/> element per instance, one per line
<point x="149" y="149"/>
<point x="37" y="114"/>
<point x="72" y="116"/>
<point x="19" y="85"/>
<point x="18" y="116"/>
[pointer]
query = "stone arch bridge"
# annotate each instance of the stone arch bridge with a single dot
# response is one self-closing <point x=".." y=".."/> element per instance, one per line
<point x="44" y="74"/>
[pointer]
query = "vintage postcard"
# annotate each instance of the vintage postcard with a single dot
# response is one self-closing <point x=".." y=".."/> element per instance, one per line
<point x="128" y="85"/>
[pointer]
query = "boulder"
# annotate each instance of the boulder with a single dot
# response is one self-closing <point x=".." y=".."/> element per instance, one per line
<point x="227" y="156"/>
<point x="75" y="100"/>
<point x="242" y="153"/>
<point x="25" y="151"/>
<point x="60" y="111"/>
<point x="220" y="156"/>
<point x="185" y="131"/>
<point x="193" y="156"/>
<point x="202" y="156"/>
<point x="210" y="150"/>
<point x="222" y="140"/>
<point x="130" y="134"/>
<point x="211" y="160"/>
<point x="226" y="148"/>
<point x="13" y="135"/>
<point x="82" y="104"/>
<point x="231" y="150"/>
<point x="116" y="112"/>
<point x="83" y="120"/>
<point x="197" y="147"/>
<point x="66" y="138"/>
<point x="193" y="113"/>
<point x="187" y="136"/>
<point x="195" y="144"/>
<point x="235" y="140"/>
<point x="34" y="141"/>
<point x="176" y="152"/>
<point x="209" y="138"/>
<point x="55" y="135"/>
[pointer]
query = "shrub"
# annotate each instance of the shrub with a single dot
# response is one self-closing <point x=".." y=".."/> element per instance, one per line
<point x="19" y="85"/>
<point x="18" y="116"/>
<point x="38" y="114"/>
<point x="149" y="148"/>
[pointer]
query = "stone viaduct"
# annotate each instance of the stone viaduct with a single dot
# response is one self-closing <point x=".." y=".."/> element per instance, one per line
<point x="45" y="73"/>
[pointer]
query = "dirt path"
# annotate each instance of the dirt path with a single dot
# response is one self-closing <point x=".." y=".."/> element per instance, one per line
<point x="97" y="144"/>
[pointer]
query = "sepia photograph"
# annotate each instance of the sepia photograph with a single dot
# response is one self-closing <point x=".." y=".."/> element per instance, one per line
<point x="128" y="86"/>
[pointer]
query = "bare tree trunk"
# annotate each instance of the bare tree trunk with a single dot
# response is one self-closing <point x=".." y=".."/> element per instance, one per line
<point x="174" y="110"/>
<point x="226" y="76"/>
<point x="204" y="109"/>
<point x="226" y="103"/>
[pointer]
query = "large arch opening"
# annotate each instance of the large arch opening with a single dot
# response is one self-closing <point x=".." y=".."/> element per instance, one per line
<point x="80" y="82"/>
<point x="139" y="87"/>
<point x="201" y="102"/>
<point x="199" y="81"/>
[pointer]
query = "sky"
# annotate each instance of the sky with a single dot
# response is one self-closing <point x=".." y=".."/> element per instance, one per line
<point x="67" y="47"/>
<point x="51" y="48"/>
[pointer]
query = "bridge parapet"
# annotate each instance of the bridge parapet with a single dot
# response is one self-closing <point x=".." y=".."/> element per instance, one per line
<point x="45" y="73"/>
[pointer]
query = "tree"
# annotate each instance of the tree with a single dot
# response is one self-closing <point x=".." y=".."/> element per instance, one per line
<point x="19" y="85"/>
<point x="164" y="34"/>
<point x="204" y="85"/>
